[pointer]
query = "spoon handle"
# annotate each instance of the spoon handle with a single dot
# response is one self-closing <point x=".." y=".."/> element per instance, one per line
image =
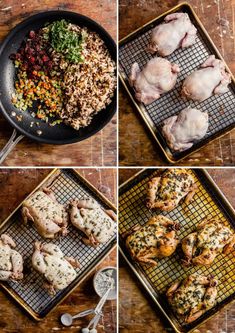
<point x="97" y="318"/>
<point x="84" y="313"/>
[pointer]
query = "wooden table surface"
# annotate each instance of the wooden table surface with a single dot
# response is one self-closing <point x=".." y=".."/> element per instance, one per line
<point x="137" y="312"/>
<point x="137" y="146"/>
<point x="98" y="150"/>
<point x="12" y="318"/>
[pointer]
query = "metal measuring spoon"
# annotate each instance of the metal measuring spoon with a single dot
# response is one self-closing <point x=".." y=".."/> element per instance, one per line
<point x="94" y="321"/>
<point x="67" y="320"/>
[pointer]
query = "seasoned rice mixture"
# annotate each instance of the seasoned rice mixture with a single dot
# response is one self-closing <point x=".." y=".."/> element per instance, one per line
<point x="69" y="85"/>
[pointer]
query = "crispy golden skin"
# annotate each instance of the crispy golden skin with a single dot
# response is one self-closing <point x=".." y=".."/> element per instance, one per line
<point x="193" y="296"/>
<point x="166" y="192"/>
<point x="210" y="238"/>
<point x="155" y="240"/>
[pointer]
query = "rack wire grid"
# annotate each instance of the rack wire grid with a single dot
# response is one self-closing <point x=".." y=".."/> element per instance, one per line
<point x="66" y="186"/>
<point x="206" y="204"/>
<point x="220" y="108"/>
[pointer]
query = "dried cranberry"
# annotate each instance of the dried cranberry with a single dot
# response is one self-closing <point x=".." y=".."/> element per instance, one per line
<point x="45" y="58"/>
<point x="32" y="59"/>
<point x="18" y="56"/>
<point x="32" y="34"/>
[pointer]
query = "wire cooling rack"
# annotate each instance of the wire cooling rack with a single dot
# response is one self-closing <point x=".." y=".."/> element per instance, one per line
<point x="219" y="107"/>
<point x="66" y="185"/>
<point x="207" y="203"/>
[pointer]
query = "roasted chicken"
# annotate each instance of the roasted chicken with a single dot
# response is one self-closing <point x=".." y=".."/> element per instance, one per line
<point x="210" y="238"/>
<point x="166" y="191"/>
<point x="211" y="79"/>
<point x="183" y="130"/>
<point x="177" y="31"/>
<point x="157" y="77"/>
<point x="192" y="297"/>
<point x="155" y="240"/>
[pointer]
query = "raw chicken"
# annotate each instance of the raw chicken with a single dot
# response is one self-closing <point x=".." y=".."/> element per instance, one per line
<point x="97" y="224"/>
<point x="210" y="79"/>
<point x="58" y="271"/>
<point x="11" y="261"/>
<point x="182" y="130"/>
<point x="50" y="217"/>
<point x="157" y="77"/>
<point x="177" y="31"/>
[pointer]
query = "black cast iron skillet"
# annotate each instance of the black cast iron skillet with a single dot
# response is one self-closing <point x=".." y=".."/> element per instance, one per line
<point x="59" y="134"/>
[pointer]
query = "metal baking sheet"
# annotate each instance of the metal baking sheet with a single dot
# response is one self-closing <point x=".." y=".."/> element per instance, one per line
<point x="29" y="293"/>
<point x="220" y="108"/>
<point x="208" y="201"/>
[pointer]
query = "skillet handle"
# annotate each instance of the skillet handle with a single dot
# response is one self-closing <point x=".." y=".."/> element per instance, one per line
<point x="14" y="139"/>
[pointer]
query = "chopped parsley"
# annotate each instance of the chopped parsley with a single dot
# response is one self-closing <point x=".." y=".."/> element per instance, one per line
<point x="65" y="41"/>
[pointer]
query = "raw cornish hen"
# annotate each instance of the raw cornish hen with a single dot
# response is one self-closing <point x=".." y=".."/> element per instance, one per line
<point x="49" y="217"/>
<point x="11" y="261"/>
<point x="210" y="79"/>
<point x="182" y="130"/>
<point x="177" y="31"/>
<point x="96" y="223"/>
<point x="57" y="269"/>
<point x="157" y="77"/>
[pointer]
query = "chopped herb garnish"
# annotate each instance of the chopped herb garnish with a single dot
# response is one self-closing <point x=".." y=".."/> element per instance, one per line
<point x="65" y="41"/>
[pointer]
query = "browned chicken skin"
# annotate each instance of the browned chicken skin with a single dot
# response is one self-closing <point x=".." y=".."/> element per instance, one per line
<point x="166" y="192"/>
<point x="156" y="239"/>
<point x="193" y="296"/>
<point x="210" y="238"/>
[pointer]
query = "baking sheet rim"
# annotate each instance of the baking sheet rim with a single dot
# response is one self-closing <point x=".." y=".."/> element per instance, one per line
<point x="10" y="291"/>
<point x="139" y="275"/>
<point x="168" y="156"/>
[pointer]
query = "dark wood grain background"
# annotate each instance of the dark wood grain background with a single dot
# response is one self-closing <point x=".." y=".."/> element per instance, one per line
<point x="137" y="313"/>
<point x="15" y="185"/>
<point x="100" y="149"/>
<point x="137" y="146"/>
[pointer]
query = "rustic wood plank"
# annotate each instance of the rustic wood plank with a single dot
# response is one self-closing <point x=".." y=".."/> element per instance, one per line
<point x="137" y="146"/>
<point x="137" y="313"/>
<point x="12" y="317"/>
<point x="98" y="150"/>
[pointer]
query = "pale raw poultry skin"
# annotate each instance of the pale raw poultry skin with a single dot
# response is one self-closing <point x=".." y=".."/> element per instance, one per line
<point x="157" y="77"/>
<point x="11" y="261"/>
<point x="49" y="217"/>
<point x="58" y="271"/>
<point x="155" y="240"/>
<point x="210" y="79"/>
<point x="96" y="223"/>
<point x="182" y="130"/>
<point x="193" y="296"/>
<point x="177" y="31"/>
